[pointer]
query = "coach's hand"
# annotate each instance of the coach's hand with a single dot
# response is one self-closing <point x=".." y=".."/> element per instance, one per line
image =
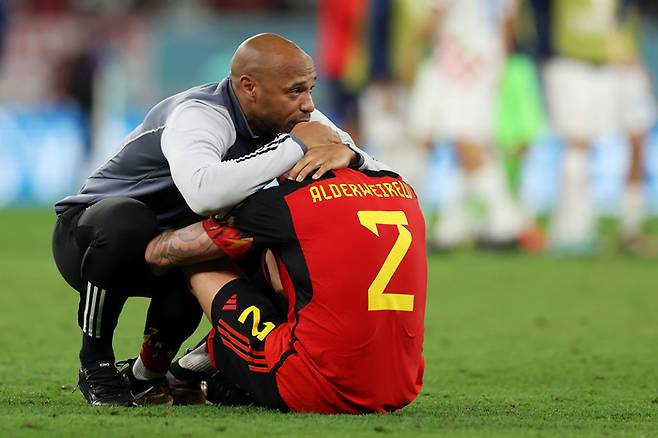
<point x="322" y="159"/>
<point x="325" y="151"/>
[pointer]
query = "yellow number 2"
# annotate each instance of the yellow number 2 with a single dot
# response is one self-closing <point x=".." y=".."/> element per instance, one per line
<point x="377" y="299"/>
<point x="260" y="334"/>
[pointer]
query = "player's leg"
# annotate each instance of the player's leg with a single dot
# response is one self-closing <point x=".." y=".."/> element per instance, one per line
<point x="426" y="109"/>
<point x="99" y="251"/>
<point x="193" y="380"/>
<point x="205" y="282"/>
<point x="504" y="220"/>
<point x="187" y="377"/>
<point x="638" y="114"/>
<point x="188" y="374"/>
<point x="485" y="180"/>
<point x="242" y="317"/>
<point x="207" y="278"/>
<point x="632" y="210"/>
<point x="455" y="225"/>
<point x="571" y="90"/>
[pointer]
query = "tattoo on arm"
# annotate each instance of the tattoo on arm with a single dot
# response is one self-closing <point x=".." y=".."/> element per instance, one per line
<point x="186" y="246"/>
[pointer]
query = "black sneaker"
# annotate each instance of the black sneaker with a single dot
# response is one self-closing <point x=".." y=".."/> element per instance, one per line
<point x="145" y="392"/>
<point x="187" y="387"/>
<point x="102" y="385"/>
<point x="223" y="393"/>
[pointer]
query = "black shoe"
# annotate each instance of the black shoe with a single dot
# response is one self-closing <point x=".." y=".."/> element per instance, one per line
<point x="187" y="387"/>
<point x="102" y="385"/>
<point x="146" y="392"/>
<point x="221" y="392"/>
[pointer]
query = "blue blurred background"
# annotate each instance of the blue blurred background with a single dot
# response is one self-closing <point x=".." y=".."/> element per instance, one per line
<point x="76" y="76"/>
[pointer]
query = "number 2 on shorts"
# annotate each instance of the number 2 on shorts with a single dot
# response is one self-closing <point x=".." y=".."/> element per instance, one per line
<point x="377" y="298"/>
<point x="259" y="334"/>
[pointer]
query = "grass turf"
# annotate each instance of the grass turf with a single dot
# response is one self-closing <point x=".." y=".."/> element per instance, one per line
<point x="515" y="346"/>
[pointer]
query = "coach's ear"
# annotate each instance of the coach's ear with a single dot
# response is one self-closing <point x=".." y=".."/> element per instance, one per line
<point x="248" y="87"/>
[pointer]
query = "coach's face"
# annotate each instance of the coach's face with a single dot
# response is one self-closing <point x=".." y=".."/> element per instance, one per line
<point x="283" y="97"/>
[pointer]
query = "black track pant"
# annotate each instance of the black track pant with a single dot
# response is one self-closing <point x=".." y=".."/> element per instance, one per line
<point x="99" y="251"/>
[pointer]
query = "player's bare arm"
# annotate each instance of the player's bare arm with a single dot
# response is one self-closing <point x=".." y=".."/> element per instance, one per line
<point x="187" y="246"/>
<point x="325" y="151"/>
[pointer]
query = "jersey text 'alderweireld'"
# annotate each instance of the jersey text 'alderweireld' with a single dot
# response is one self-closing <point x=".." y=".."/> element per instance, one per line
<point x="328" y="191"/>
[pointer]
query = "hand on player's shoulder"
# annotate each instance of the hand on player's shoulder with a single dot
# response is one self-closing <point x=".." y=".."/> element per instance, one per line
<point x="318" y="161"/>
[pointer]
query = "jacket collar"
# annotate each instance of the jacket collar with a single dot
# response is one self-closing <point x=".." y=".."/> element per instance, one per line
<point x="235" y="110"/>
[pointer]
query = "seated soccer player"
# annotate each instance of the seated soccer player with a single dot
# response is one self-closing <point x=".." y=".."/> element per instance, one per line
<point x="350" y="251"/>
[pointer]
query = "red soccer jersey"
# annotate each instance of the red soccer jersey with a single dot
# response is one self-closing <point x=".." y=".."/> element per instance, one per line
<point x="351" y="253"/>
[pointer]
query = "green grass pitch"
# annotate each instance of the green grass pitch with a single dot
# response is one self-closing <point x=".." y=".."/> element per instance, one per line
<point x="514" y="346"/>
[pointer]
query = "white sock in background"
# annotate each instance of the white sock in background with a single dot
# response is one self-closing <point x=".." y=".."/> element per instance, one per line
<point x="504" y="218"/>
<point x="573" y="222"/>
<point x="631" y="215"/>
<point x="454" y="225"/>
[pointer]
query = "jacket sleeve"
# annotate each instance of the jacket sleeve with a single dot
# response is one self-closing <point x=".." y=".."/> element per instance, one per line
<point x="197" y="137"/>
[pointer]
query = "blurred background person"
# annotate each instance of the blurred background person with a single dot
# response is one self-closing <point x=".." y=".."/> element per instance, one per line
<point x="341" y="58"/>
<point x="453" y="99"/>
<point x="392" y="59"/>
<point x="75" y="78"/>
<point x="595" y="86"/>
<point x="520" y="118"/>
